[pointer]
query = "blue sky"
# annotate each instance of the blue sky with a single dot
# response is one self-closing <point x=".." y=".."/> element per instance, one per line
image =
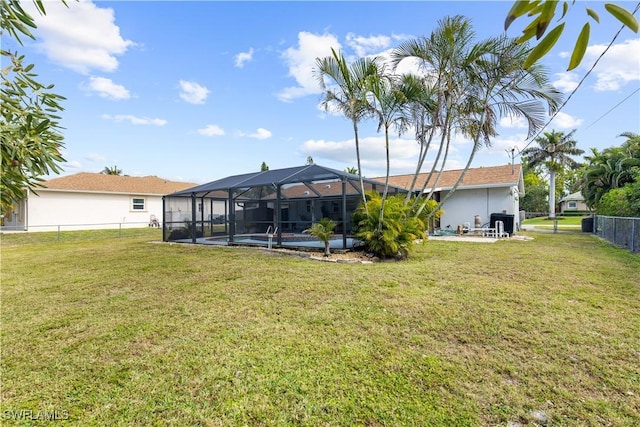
<point x="196" y="91"/>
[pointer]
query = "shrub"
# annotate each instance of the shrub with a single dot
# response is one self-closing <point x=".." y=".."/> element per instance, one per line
<point x="621" y="201"/>
<point x="390" y="233"/>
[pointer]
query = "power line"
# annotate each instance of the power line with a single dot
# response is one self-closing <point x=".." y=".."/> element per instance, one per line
<point x="615" y="37"/>
<point x="613" y="108"/>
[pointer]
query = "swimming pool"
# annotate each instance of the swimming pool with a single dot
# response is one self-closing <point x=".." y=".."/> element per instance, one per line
<point x="288" y="240"/>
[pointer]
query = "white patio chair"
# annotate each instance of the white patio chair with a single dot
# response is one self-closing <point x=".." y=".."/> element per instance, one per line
<point x="153" y="221"/>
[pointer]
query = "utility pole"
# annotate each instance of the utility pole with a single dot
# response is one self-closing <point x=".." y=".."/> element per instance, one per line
<point x="513" y="156"/>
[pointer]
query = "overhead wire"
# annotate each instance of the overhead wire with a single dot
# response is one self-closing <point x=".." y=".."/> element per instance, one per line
<point x="612" y="108"/>
<point x="615" y="37"/>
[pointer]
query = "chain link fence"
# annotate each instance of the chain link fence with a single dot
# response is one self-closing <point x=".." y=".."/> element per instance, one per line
<point x="620" y="231"/>
<point x="78" y="232"/>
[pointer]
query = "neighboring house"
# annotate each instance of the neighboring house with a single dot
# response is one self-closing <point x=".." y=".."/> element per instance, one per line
<point x="482" y="192"/>
<point x="573" y="202"/>
<point x="92" y="201"/>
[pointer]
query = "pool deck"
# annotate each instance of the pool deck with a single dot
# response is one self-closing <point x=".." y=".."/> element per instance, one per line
<point x="458" y="238"/>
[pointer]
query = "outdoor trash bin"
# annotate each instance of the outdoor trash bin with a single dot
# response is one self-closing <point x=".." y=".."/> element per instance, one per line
<point x="587" y="224"/>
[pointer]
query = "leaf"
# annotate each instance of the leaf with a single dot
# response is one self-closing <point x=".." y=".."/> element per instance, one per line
<point x="536" y="8"/>
<point x="545" y="18"/>
<point x="518" y="9"/>
<point x="40" y="7"/>
<point x="580" y="48"/>
<point x="623" y="15"/>
<point x="565" y="9"/>
<point x="593" y="14"/>
<point x="544" y="46"/>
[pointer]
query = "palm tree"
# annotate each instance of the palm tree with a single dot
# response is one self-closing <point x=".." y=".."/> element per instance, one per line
<point x="351" y="170"/>
<point x="553" y="152"/>
<point x="111" y="170"/>
<point x="347" y="92"/>
<point x="390" y="98"/>
<point x="323" y="230"/>
<point x="500" y="86"/>
<point x="632" y="145"/>
<point x="442" y="58"/>
<point x="609" y="169"/>
<point x="474" y="84"/>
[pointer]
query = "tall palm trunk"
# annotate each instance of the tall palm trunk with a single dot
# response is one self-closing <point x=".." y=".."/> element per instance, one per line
<point x="357" y="141"/>
<point x="386" y="180"/>
<point x="552" y="193"/>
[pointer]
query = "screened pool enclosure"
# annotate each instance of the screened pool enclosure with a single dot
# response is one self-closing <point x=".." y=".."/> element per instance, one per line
<point x="272" y="207"/>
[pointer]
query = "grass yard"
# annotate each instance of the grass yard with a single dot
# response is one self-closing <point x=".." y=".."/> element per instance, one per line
<point x="565" y="223"/>
<point x="126" y="332"/>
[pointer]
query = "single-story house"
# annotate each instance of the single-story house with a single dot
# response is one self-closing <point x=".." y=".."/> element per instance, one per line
<point x="290" y="200"/>
<point x="483" y="191"/>
<point x="92" y="201"/>
<point x="572" y="203"/>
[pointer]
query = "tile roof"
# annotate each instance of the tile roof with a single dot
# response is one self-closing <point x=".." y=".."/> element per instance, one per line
<point x="573" y="197"/>
<point x="482" y="176"/>
<point x="97" y="182"/>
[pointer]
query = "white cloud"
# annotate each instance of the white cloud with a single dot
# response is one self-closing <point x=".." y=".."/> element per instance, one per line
<point x="565" y="121"/>
<point x="193" y="93"/>
<point x="619" y="66"/>
<point x="211" y="130"/>
<point x="301" y="61"/>
<point x="134" y="120"/>
<point x="74" y="165"/>
<point x="566" y="82"/>
<point x="261" y="133"/>
<point x="98" y="158"/>
<point x="81" y="36"/>
<point x="106" y="88"/>
<point x="244" y="57"/>
<point x="364" y="46"/>
<point x="403" y="153"/>
<point x="512" y="122"/>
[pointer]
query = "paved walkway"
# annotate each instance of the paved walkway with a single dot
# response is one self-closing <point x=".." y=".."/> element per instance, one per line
<point x="457" y="238"/>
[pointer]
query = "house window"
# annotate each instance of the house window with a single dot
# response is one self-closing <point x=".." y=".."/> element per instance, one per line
<point x="137" y="204"/>
<point x="572" y="205"/>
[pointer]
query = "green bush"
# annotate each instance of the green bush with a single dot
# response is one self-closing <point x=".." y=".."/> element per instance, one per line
<point x="621" y="201"/>
<point x="390" y="233"/>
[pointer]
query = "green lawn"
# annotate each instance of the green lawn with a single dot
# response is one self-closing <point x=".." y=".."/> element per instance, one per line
<point x="122" y="331"/>
<point x="565" y="223"/>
